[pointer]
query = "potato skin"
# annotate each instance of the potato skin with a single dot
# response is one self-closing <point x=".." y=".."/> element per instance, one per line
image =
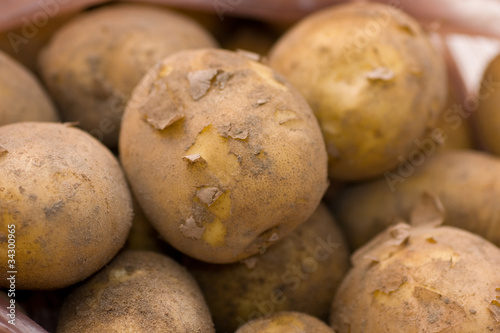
<point x="428" y="280"/>
<point x="22" y="98"/>
<point x="371" y="77"/>
<point x="299" y="273"/>
<point x="219" y="171"/>
<point x="488" y="113"/>
<point x="93" y="62"/>
<point x="139" y="291"/>
<point x="68" y="199"/>
<point x="286" y="322"/>
<point x="467" y="182"/>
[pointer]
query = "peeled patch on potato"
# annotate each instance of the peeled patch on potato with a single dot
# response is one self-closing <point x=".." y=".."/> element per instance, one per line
<point x="22" y="97"/>
<point x="224" y="156"/>
<point x="421" y="278"/>
<point x="286" y="322"/>
<point x="66" y="198"/>
<point x="139" y="291"/>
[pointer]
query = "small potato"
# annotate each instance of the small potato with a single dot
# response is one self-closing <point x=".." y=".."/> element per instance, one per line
<point x="22" y="98"/>
<point x="93" y="62"/>
<point x="421" y="279"/>
<point x="64" y="202"/>
<point x="139" y="291"/>
<point x="286" y="322"/>
<point x="467" y="183"/>
<point x="299" y="273"/>
<point x="488" y="113"/>
<point x="224" y="156"/>
<point x="372" y="78"/>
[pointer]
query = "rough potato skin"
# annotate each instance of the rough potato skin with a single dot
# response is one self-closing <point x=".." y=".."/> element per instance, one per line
<point x="488" y="115"/>
<point x="68" y="199"/>
<point x="139" y="291"/>
<point x="299" y="273"/>
<point x="22" y="98"/>
<point x="286" y="322"/>
<point x="93" y="62"/>
<point x="421" y="279"/>
<point x="221" y="154"/>
<point x="371" y="77"/>
<point x="467" y="183"/>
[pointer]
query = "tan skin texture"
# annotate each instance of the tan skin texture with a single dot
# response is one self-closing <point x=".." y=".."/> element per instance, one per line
<point x="488" y="114"/>
<point x="466" y="182"/>
<point x="22" y="98"/>
<point x="286" y="322"/>
<point x="67" y="197"/>
<point x="421" y="279"/>
<point x="139" y="291"/>
<point x="371" y="77"/>
<point x="296" y="274"/>
<point x="94" y="61"/>
<point x="218" y="163"/>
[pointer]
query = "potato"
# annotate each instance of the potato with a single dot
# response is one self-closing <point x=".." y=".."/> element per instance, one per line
<point x="299" y="273"/>
<point x="223" y="155"/>
<point x="63" y="199"/>
<point x="139" y="291"/>
<point x="22" y="98"/>
<point x="467" y="182"/>
<point x="488" y="113"/>
<point x="421" y="279"/>
<point x="371" y="77"/>
<point x="286" y="322"/>
<point x="94" y="61"/>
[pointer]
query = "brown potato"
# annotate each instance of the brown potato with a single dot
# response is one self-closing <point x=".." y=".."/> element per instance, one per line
<point x="139" y="291"/>
<point x="286" y="322"/>
<point x="93" y="62"/>
<point x="63" y="199"/>
<point x="372" y="78"/>
<point x="421" y="279"/>
<point x="467" y="182"/>
<point x="22" y="98"/>
<point x="299" y="273"/>
<point x="216" y="147"/>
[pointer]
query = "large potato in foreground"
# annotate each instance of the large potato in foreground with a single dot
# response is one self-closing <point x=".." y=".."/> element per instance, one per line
<point x="467" y="183"/>
<point x="93" y="62"/>
<point x="139" y="291"/>
<point x="286" y="322"/>
<point x="371" y="77"/>
<point x="421" y="279"/>
<point x="223" y="155"/>
<point x="299" y="273"/>
<point x="22" y="98"/>
<point x="68" y="200"/>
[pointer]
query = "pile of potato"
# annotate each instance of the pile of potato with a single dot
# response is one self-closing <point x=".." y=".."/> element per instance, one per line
<point x="159" y="173"/>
